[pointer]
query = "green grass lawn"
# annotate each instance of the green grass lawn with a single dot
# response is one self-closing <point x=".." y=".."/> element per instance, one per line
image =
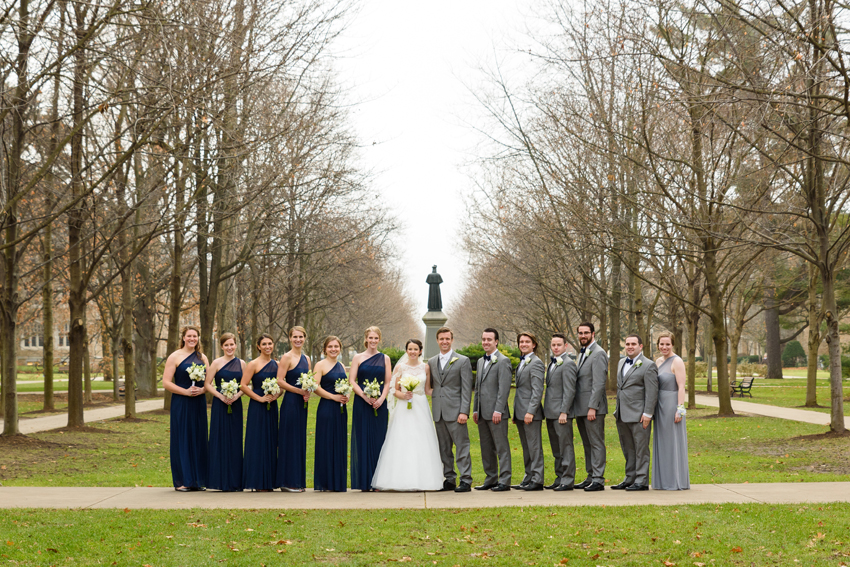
<point x="62" y="386"/>
<point x="785" y="393"/>
<point x="731" y="534"/>
<point x="121" y="453"/>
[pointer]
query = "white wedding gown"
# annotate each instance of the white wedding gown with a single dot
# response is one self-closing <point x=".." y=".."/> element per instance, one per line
<point x="410" y="456"/>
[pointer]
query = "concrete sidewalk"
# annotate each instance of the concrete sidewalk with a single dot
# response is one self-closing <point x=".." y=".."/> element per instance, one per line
<point x="36" y="424"/>
<point x="793" y="414"/>
<point x="168" y="499"/>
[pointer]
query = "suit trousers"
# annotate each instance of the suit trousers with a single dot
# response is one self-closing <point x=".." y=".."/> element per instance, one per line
<point x="531" y="438"/>
<point x="561" y="442"/>
<point x="495" y="451"/>
<point x="593" y="438"/>
<point x="452" y="433"/>
<point x="634" y="440"/>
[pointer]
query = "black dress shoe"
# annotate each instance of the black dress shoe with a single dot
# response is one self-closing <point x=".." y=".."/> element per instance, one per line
<point x="501" y="488"/>
<point x="552" y="486"/>
<point x="183" y="489"/>
<point x="622" y="486"/>
<point x="585" y="483"/>
<point x="486" y="486"/>
<point x="533" y="486"/>
<point x="636" y="487"/>
<point x="594" y="487"/>
<point x="448" y="486"/>
<point x="563" y="487"/>
<point x="463" y="487"/>
<point x="520" y="486"/>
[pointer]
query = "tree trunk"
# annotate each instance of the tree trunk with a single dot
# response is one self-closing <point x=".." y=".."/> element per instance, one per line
<point x="47" y="317"/>
<point x="836" y="391"/>
<point x="127" y="332"/>
<point x="614" y="321"/>
<point x="693" y="322"/>
<point x="814" y="339"/>
<point x="718" y="322"/>
<point x="773" y="347"/>
<point x="87" y="397"/>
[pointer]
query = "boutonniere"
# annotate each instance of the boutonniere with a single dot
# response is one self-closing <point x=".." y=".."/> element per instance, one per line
<point x="588" y="352"/>
<point x="453" y="360"/>
<point x="558" y="361"/>
<point x="493" y="357"/>
<point x="638" y="364"/>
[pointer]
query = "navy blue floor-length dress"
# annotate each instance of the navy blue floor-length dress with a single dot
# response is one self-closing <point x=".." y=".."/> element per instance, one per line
<point x="368" y="430"/>
<point x="225" y="468"/>
<point x="292" y="435"/>
<point x="330" y="468"/>
<point x="188" y="431"/>
<point x="260" y="463"/>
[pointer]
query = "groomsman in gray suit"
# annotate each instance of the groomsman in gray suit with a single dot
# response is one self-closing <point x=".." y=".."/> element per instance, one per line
<point x="558" y="410"/>
<point x="637" y="393"/>
<point x="451" y="382"/>
<point x="491" y="413"/>
<point x="528" y="413"/>
<point x="591" y="405"/>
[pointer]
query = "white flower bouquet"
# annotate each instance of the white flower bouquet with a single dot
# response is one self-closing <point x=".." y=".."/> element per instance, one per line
<point x="307" y="382"/>
<point x="342" y="387"/>
<point x="197" y="372"/>
<point x="409" y="383"/>
<point x="270" y="387"/>
<point x="229" y="390"/>
<point x="373" y="390"/>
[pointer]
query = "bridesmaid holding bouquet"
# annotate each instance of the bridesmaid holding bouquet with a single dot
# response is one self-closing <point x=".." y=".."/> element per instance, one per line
<point x="260" y="464"/>
<point x="369" y="422"/>
<point x="292" y="435"/>
<point x="225" y="452"/>
<point x="330" y="469"/>
<point x="188" y="429"/>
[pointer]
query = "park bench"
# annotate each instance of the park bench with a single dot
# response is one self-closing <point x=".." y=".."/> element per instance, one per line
<point x="744" y="387"/>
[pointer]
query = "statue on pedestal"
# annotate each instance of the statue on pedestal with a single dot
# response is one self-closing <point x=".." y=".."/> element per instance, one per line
<point x="435" y="301"/>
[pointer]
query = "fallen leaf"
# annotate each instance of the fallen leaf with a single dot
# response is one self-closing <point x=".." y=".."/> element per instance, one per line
<point x="126" y="510"/>
<point x="563" y="561"/>
<point x="668" y="563"/>
<point x="737" y="549"/>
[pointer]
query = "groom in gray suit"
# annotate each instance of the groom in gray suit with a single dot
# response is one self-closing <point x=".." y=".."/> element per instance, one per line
<point x="558" y="410"/>
<point x="491" y="414"/>
<point x="451" y="382"/>
<point x="528" y="413"/>
<point x="591" y="405"/>
<point x="637" y="393"/>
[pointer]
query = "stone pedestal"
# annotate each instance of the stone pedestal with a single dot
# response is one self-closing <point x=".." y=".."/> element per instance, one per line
<point x="433" y="320"/>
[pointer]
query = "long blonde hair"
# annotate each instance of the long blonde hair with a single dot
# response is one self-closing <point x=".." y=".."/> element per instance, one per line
<point x="372" y="329"/>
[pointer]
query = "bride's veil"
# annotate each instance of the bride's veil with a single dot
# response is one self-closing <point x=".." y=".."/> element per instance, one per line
<point x="391" y="399"/>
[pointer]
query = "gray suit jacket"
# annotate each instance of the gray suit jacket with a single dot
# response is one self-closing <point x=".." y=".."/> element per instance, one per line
<point x="637" y="391"/>
<point x="560" y="389"/>
<point x="452" y="387"/>
<point x="529" y="389"/>
<point x="492" y="387"/>
<point x="590" y="383"/>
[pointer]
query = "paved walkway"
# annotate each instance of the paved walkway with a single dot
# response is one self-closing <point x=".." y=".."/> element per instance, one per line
<point x="36" y="424"/>
<point x="794" y="414"/>
<point x="167" y="499"/>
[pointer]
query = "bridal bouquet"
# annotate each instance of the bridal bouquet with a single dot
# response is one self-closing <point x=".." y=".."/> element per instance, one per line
<point x="409" y="383"/>
<point x="228" y="390"/>
<point x="343" y="387"/>
<point x="197" y="372"/>
<point x="270" y="387"/>
<point x="307" y="382"/>
<point x="373" y="390"/>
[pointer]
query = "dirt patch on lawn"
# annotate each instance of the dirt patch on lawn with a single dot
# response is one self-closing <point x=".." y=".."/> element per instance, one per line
<point x="26" y="442"/>
<point x="98" y="400"/>
<point x="81" y="429"/>
<point x="822" y="436"/>
<point x="715" y="416"/>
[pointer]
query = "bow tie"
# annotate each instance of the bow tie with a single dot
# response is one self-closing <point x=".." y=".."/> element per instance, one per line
<point x="487" y="357"/>
<point x="553" y="360"/>
<point x="583" y="349"/>
<point x="523" y="357"/>
<point x="629" y="361"/>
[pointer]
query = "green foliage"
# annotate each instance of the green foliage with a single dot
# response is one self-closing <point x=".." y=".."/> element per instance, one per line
<point x="845" y="366"/>
<point x="793" y="355"/>
<point x="512" y="353"/>
<point x="754" y="359"/>
<point x="748" y="369"/>
<point x="394" y="353"/>
<point x="473" y="352"/>
<point x="699" y="359"/>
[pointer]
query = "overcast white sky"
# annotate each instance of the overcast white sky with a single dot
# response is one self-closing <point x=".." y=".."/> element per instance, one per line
<point x="409" y="66"/>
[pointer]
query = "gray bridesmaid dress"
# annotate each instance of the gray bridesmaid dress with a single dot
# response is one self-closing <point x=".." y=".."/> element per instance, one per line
<point x="670" y="442"/>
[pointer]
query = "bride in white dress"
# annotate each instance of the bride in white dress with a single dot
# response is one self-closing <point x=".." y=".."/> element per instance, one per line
<point x="410" y="456"/>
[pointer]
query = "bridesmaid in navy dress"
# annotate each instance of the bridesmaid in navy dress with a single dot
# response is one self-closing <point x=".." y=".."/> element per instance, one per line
<point x="225" y="464"/>
<point x="292" y="436"/>
<point x="188" y="428"/>
<point x="260" y="464"/>
<point x="330" y="469"/>
<point x="367" y="429"/>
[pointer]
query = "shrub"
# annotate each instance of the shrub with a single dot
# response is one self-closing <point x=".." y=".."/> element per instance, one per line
<point x="793" y="355"/>
<point x="473" y="352"/>
<point x="394" y="353"/>
<point x="754" y="359"/>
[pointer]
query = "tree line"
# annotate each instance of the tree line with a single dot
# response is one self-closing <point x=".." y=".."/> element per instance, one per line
<point x="176" y="157"/>
<point x="652" y="163"/>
